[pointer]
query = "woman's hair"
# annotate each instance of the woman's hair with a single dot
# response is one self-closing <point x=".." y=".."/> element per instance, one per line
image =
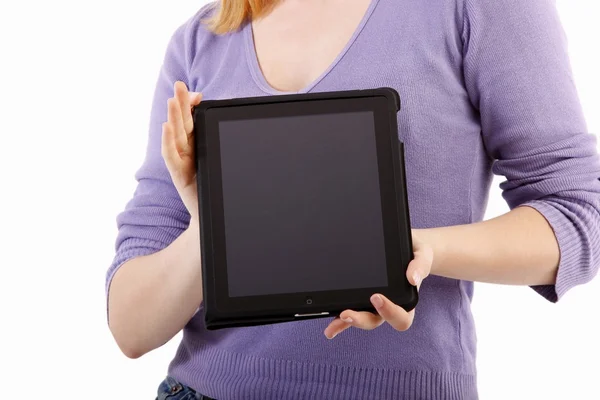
<point x="231" y="14"/>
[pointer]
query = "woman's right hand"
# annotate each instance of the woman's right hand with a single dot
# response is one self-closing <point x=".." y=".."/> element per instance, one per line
<point x="178" y="146"/>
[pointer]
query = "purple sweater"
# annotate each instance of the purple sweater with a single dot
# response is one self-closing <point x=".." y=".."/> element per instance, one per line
<point x="486" y="89"/>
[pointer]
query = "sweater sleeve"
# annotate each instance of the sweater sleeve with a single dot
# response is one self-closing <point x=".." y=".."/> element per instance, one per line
<point x="155" y="216"/>
<point x="518" y="76"/>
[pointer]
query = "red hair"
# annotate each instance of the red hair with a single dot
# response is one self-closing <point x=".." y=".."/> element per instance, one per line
<point x="231" y="14"/>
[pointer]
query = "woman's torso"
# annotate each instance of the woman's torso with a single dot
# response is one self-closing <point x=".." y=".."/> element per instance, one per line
<point x="416" y="48"/>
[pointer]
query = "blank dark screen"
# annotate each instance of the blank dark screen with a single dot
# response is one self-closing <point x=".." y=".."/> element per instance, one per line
<point x="302" y="205"/>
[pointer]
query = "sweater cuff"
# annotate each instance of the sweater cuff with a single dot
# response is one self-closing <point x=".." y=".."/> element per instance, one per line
<point x="570" y="269"/>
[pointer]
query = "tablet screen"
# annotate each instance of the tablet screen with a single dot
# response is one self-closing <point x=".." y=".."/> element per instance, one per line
<point x="302" y="204"/>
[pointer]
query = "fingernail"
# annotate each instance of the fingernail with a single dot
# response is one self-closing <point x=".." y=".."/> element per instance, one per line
<point x="417" y="278"/>
<point x="348" y="320"/>
<point x="330" y="337"/>
<point x="377" y="301"/>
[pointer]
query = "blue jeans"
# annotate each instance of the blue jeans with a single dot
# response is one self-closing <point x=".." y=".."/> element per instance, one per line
<point x="170" y="389"/>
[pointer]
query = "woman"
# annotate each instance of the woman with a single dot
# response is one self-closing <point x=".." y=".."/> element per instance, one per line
<point x="486" y="88"/>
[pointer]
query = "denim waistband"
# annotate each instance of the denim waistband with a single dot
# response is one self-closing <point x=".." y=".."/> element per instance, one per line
<point x="171" y="389"/>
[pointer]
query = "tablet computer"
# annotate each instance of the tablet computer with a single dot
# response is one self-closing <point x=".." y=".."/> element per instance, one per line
<point x="303" y="206"/>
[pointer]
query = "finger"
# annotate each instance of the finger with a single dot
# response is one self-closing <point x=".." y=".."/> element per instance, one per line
<point x="336" y="327"/>
<point x="362" y="319"/>
<point x="392" y="313"/>
<point x="183" y="98"/>
<point x="420" y="266"/>
<point x="176" y="125"/>
<point x="182" y="95"/>
<point x="168" y="148"/>
<point x="194" y="98"/>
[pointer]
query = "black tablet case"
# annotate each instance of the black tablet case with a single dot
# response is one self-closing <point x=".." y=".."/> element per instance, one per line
<point x="218" y="320"/>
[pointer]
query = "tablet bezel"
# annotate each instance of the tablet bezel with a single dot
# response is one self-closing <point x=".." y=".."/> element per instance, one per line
<point x="398" y="245"/>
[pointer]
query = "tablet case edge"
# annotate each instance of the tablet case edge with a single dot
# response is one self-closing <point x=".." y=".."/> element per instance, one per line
<point x="390" y="93"/>
<point x="205" y="222"/>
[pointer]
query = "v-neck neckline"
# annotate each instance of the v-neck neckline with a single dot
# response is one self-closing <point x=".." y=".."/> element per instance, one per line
<point x="259" y="77"/>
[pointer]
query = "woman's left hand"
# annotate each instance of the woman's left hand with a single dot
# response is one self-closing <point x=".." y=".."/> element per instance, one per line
<point x="418" y="269"/>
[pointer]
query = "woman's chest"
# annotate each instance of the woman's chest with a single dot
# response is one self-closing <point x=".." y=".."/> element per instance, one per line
<point x="413" y="46"/>
<point x="299" y="41"/>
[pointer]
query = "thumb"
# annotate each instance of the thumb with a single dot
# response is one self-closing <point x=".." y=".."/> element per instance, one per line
<point x="420" y="267"/>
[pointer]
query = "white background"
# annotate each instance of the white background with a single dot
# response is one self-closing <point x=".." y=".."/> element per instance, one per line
<point x="76" y="83"/>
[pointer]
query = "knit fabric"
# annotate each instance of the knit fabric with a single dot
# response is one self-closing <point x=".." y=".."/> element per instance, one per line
<point x="486" y="88"/>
